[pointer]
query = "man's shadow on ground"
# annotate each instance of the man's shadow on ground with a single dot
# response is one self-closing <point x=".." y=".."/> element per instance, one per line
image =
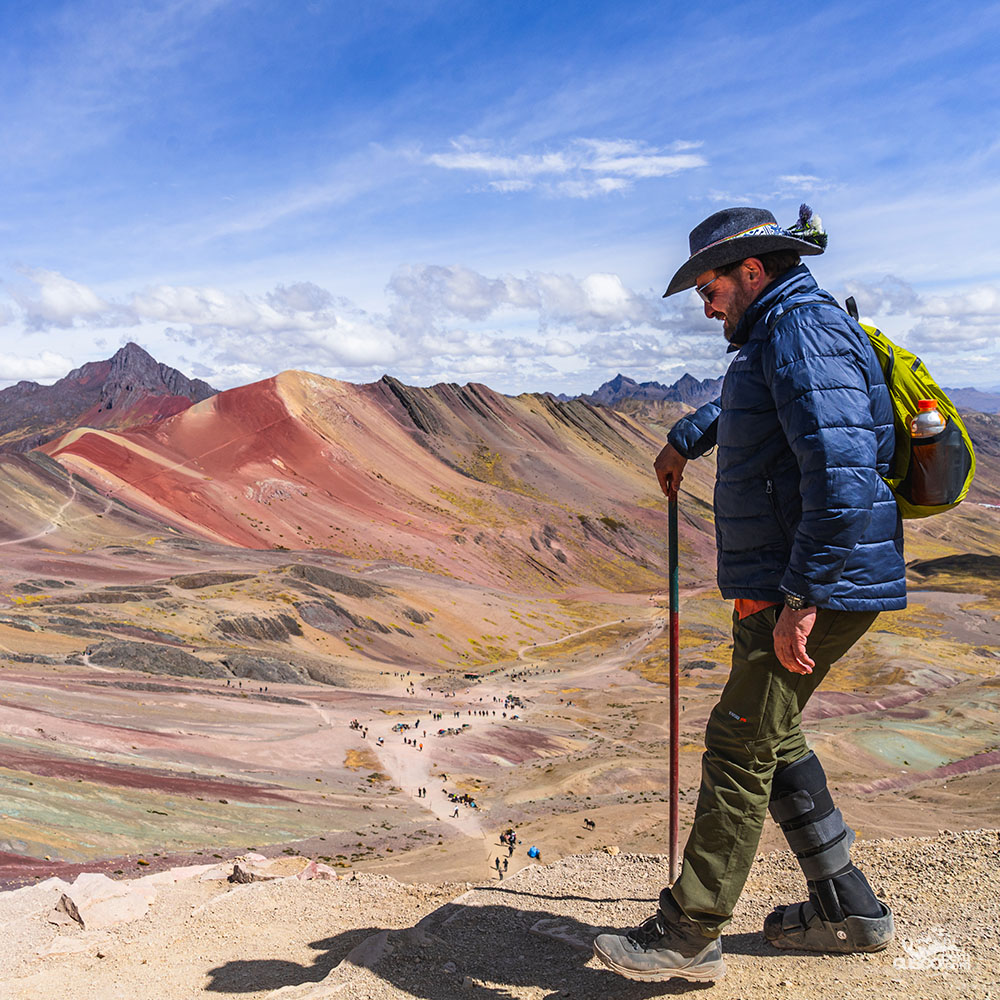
<point x="475" y="953"/>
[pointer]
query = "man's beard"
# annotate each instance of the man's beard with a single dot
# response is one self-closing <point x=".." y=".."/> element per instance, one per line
<point x="742" y="297"/>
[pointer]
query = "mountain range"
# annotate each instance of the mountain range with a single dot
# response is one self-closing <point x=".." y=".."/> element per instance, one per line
<point x="131" y="388"/>
<point x="458" y="479"/>
<point x="686" y="389"/>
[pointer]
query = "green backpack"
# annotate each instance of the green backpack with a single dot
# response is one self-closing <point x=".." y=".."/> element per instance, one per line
<point x="947" y="459"/>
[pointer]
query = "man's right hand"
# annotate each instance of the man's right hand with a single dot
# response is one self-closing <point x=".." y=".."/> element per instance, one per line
<point x="669" y="466"/>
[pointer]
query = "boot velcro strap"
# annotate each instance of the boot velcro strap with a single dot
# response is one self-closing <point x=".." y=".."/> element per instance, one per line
<point x="797" y="917"/>
<point x="829" y="861"/>
<point x="824" y="831"/>
<point x="788" y="807"/>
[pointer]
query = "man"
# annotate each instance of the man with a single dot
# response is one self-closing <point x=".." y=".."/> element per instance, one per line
<point x="810" y="549"/>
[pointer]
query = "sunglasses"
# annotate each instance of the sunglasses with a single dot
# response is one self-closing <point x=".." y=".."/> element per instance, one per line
<point x="701" y="289"/>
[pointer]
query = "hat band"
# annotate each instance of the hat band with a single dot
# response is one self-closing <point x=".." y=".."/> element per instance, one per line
<point x="769" y="229"/>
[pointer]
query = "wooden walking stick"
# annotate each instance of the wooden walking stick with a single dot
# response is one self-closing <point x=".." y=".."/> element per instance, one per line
<point x="674" y="684"/>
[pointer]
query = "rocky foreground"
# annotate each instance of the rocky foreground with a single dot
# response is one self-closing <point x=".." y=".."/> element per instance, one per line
<point x="295" y="930"/>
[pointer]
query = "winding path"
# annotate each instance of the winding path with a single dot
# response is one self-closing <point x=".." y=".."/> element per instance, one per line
<point x="57" y="518"/>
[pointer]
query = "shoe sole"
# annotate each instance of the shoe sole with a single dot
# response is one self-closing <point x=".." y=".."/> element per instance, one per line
<point x="775" y="936"/>
<point x="782" y="945"/>
<point x="695" y="975"/>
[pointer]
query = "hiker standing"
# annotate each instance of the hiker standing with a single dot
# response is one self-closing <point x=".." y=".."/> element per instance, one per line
<point x="810" y="547"/>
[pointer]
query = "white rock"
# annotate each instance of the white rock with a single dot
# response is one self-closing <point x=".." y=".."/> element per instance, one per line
<point x="102" y="902"/>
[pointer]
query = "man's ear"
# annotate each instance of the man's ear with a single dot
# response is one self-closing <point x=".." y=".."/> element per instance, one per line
<point x="754" y="271"/>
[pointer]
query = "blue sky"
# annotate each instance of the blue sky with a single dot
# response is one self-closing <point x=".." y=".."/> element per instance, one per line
<point x="471" y="191"/>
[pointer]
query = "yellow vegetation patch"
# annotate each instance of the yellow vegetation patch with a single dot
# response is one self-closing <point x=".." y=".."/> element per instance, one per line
<point x="46" y="642"/>
<point x="360" y="760"/>
<point x="482" y="512"/>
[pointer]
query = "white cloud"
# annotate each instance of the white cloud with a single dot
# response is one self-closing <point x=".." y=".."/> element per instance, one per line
<point x="785" y="186"/>
<point x="892" y="296"/>
<point x="511" y="186"/>
<point x="455" y="323"/>
<point x="45" y="367"/>
<point x="976" y="304"/>
<point x="888" y="295"/>
<point x="57" y="301"/>
<point x="206" y="305"/>
<point x="645" y="165"/>
<point x="565" y="173"/>
<point x="559" y="348"/>
<point x="803" y="182"/>
<point x="955" y="334"/>
<point x="591" y="188"/>
<point x="424" y="295"/>
<point x="515" y="166"/>
<point x="299" y="297"/>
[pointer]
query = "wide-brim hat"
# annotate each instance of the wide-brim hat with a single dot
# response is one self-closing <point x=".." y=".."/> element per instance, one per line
<point x="735" y="234"/>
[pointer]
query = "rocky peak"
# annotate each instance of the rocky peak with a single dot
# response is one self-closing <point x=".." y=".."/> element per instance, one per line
<point x="135" y="373"/>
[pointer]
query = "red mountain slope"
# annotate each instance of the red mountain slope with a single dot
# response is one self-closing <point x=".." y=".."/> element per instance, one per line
<point x="457" y="480"/>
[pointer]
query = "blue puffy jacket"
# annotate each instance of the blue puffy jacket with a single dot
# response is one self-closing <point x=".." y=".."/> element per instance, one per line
<point x="805" y="434"/>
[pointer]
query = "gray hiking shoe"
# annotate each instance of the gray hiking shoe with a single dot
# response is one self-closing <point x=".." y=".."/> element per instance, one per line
<point x="661" y="948"/>
<point x="800" y="927"/>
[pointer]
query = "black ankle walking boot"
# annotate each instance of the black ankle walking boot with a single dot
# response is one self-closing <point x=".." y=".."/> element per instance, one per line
<point x="842" y="913"/>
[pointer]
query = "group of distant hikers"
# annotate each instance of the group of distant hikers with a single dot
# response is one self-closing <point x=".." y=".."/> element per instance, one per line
<point x="508" y="839"/>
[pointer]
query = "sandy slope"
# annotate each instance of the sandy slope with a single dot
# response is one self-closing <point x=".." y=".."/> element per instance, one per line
<point x="368" y="937"/>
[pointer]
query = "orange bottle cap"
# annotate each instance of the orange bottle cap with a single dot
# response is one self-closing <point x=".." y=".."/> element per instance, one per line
<point x="926" y="404"/>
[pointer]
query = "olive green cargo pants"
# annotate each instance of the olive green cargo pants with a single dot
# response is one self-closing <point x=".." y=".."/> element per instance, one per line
<point x="752" y="732"/>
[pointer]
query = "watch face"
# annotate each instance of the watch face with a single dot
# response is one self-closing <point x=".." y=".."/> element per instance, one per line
<point x="795" y="602"/>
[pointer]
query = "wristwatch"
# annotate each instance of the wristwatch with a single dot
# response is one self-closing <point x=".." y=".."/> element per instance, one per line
<point x="795" y="602"/>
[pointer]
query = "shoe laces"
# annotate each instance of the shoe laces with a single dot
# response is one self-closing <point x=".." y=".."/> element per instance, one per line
<point x="650" y="931"/>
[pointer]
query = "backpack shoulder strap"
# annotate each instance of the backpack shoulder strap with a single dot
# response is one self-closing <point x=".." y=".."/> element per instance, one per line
<point x="782" y="308"/>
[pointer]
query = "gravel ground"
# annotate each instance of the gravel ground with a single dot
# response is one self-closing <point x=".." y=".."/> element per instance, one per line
<point x="368" y="937"/>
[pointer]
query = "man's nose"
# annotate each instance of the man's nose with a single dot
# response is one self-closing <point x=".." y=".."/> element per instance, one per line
<point x="709" y="311"/>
